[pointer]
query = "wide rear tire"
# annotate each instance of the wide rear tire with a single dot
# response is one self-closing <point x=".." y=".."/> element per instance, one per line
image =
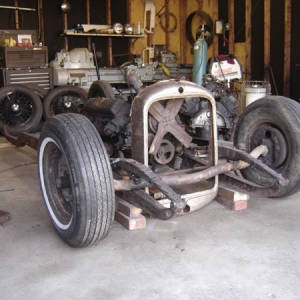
<point x="273" y="121"/>
<point x="76" y="179"/>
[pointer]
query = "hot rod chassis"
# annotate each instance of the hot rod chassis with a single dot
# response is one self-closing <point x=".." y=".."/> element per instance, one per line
<point x="161" y="166"/>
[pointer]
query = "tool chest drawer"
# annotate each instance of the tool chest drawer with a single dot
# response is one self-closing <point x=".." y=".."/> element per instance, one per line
<point x="42" y="77"/>
<point x="23" y="57"/>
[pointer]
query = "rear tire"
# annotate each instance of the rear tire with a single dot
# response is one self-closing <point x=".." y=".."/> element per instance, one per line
<point x="76" y="179"/>
<point x="273" y="121"/>
<point x="64" y="99"/>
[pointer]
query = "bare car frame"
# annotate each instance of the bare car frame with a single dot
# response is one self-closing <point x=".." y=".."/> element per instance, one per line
<point x="151" y="153"/>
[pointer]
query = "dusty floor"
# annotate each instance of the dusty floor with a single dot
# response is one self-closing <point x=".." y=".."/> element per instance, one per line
<point x="214" y="253"/>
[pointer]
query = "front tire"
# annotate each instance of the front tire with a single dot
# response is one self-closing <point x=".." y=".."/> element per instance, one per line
<point x="273" y="121"/>
<point x="76" y="179"/>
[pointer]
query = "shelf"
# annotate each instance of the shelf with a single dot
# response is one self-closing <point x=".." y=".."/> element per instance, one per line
<point x="70" y="34"/>
<point x="103" y="34"/>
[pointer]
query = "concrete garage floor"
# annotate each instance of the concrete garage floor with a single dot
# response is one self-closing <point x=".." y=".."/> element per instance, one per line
<point x="214" y="253"/>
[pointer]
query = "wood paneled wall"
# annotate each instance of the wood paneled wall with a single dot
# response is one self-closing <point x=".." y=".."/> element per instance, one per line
<point x="177" y="41"/>
<point x="270" y="51"/>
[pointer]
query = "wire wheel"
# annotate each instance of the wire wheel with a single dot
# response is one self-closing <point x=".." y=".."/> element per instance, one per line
<point x="64" y="99"/>
<point x="66" y="104"/>
<point x="20" y="108"/>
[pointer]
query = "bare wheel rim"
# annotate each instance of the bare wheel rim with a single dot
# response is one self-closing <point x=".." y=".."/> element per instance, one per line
<point x="269" y="135"/>
<point x="16" y="109"/>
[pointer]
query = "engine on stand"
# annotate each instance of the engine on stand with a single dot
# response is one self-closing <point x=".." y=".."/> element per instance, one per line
<point x="76" y="67"/>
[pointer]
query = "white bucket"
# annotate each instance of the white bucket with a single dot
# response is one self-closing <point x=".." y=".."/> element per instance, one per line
<point x="253" y="90"/>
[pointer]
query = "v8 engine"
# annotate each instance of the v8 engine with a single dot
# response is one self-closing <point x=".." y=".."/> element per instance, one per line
<point x="111" y="117"/>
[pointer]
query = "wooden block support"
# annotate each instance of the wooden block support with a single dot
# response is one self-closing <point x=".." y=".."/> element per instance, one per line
<point x="129" y="216"/>
<point x="5" y="145"/>
<point x="232" y="199"/>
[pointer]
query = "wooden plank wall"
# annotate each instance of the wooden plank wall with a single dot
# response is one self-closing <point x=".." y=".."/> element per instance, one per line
<point x="286" y="59"/>
<point x="176" y="41"/>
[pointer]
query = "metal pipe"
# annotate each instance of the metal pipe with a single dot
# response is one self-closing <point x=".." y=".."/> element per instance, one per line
<point x="95" y="60"/>
<point x="129" y="184"/>
<point x="17" y="8"/>
<point x="213" y="171"/>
